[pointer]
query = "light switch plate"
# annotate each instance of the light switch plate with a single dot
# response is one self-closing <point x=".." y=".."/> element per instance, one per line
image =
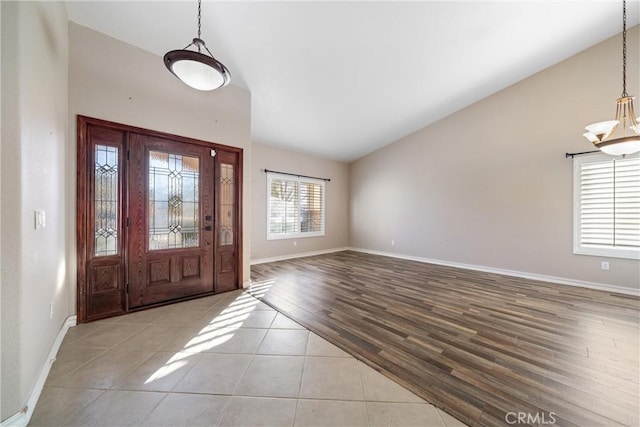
<point x="39" y="219"/>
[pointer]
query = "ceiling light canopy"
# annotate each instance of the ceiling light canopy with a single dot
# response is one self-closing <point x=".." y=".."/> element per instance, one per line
<point x="622" y="135"/>
<point x="197" y="69"/>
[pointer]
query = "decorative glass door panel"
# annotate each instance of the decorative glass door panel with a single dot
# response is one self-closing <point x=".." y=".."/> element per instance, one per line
<point x="106" y="203"/>
<point x="227" y="212"/>
<point x="227" y="204"/>
<point x="170" y="212"/>
<point x="101" y="224"/>
<point x="174" y="201"/>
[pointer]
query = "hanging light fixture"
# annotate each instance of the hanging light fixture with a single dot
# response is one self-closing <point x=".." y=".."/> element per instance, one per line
<point x="622" y="135"/>
<point x="197" y="69"/>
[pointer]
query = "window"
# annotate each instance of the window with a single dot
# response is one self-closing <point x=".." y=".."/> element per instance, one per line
<point x="607" y="206"/>
<point x="295" y="207"/>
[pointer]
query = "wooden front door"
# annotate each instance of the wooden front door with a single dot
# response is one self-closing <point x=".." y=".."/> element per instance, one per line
<point x="158" y="218"/>
<point x="170" y="216"/>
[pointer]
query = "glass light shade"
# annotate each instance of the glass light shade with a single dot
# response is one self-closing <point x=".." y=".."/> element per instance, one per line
<point x="198" y="75"/>
<point x="196" y="69"/>
<point x="620" y="146"/>
<point x="601" y="130"/>
<point x="591" y="137"/>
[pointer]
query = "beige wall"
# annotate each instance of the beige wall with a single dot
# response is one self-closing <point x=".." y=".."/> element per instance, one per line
<point x="337" y="201"/>
<point x="140" y="91"/>
<point x="34" y="133"/>
<point x="489" y="185"/>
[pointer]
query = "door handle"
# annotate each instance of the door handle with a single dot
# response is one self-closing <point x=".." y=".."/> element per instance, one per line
<point x="208" y="228"/>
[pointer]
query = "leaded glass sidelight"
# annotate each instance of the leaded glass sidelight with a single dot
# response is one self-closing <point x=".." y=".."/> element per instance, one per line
<point x="227" y="200"/>
<point x="105" y="200"/>
<point x="174" y="201"/>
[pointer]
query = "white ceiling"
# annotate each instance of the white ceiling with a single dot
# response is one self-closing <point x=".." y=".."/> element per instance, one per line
<point x="342" y="79"/>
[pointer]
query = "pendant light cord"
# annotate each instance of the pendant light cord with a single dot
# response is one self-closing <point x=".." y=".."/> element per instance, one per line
<point x="624" y="49"/>
<point x="199" y="18"/>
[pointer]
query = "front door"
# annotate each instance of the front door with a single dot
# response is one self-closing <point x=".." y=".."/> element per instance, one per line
<point x="158" y="218"/>
<point x="170" y="228"/>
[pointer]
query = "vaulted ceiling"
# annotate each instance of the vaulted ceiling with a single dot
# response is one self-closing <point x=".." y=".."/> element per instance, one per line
<point x="342" y="79"/>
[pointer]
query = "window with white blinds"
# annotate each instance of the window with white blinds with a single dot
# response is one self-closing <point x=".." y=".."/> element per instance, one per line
<point x="607" y="206"/>
<point x="295" y="207"/>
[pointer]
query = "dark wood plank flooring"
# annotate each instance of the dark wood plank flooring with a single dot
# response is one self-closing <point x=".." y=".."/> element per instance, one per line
<point x="477" y="345"/>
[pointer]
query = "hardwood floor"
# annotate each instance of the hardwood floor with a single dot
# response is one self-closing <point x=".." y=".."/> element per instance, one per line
<point x="488" y="349"/>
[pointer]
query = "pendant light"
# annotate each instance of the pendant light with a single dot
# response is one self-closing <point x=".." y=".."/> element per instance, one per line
<point x="197" y="69"/>
<point x="622" y="135"/>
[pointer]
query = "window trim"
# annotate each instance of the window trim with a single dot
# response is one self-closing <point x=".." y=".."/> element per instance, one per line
<point x="299" y="235"/>
<point x="594" y="250"/>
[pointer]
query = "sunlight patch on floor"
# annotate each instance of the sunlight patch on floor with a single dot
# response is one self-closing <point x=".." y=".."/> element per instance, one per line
<point x="217" y="332"/>
<point x="260" y="288"/>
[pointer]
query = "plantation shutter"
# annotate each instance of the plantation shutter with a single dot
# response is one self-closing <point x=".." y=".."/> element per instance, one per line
<point x="296" y="207"/>
<point x="284" y="206"/>
<point x="609" y="203"/>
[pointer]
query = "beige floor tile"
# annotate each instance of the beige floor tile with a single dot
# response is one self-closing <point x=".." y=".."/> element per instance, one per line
<point x="321" y="347"/>
<point x="221" y="318"/>
<point x="189" y="340"/>
<point x="247" y="301"/>
<point x="204" y="303"/>
<point x="217" y="340"/>
<point x="143" y="317"/>
<point x="238" y="341"/>
<point x="260" y="306"/>
<point x="108" y="335"/>
<point x="105" y="370"/>
<point x="151" y="338"/>
<point x="283" y="322"/>
<point x="70" y="358"/>
<point x="83" y="329"/>
<point x="193" y="410"/>
<point x="330" y="413"/>
<point x="57" y="404"/>
<point x="259" y="319"/>
<point x="403" y="414"/>
<point x="236" y="315"/>
<point x="259" y="411"/>
<point x="331" y="378"/>
<point x="178" y="316"/>
<point x="289" y="342"/>
<point x="117" y="408"/>
<point x="379" y="388"/>
<point x="450" y="421"/>
<point x="272" y="376"/>
<point x="214" y="373"/>
<point x="160" y="372"/>
<point x="228" y="298"/>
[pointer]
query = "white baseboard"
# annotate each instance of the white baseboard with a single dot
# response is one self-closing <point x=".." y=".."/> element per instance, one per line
<point x="23" y="417"/>
<point x="298" y="255"/>
<point x="524" y="275"/>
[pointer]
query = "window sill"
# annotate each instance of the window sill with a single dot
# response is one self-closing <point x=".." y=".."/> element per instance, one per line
<point x="294" y="235"/>
<point x="608" y="252"/>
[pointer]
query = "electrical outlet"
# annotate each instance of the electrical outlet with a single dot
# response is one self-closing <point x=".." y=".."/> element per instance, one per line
<point x="295" y="243"/>
<point x="604" y="265"/>
<point x="51" y="311"/>
<point x="393" y="243"/>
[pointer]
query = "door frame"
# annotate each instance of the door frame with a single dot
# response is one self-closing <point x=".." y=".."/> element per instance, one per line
<point x="83" y="211"/>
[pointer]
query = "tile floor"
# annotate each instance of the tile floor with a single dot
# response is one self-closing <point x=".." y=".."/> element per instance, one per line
<point x="226" y="360"/>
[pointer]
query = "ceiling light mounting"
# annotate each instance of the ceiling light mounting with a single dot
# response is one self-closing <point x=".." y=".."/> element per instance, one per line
<point x="197" y="69"/>
<point x="622" y="135"/>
